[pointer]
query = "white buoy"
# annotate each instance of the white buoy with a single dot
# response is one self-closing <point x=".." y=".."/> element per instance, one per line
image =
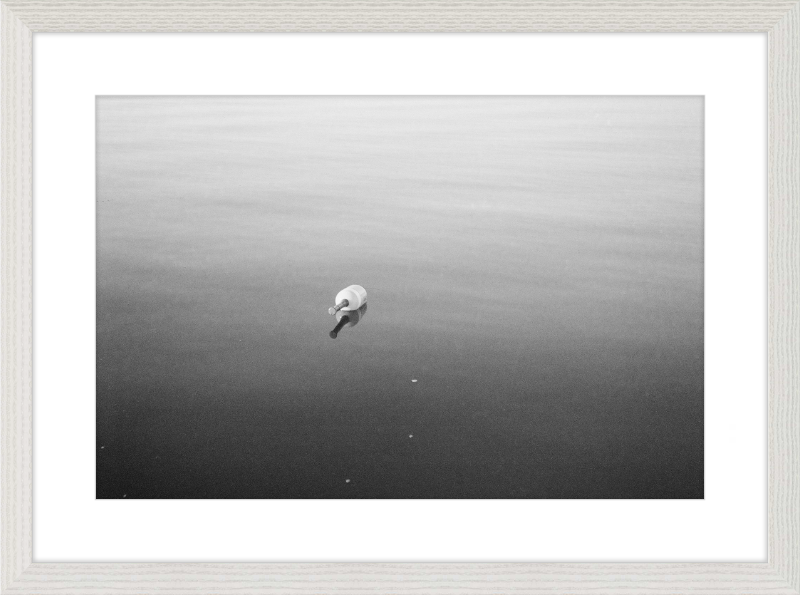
<point x="349" y="299"/>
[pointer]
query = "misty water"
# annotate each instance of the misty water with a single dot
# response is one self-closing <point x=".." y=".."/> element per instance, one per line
<point x="534" y="269"/>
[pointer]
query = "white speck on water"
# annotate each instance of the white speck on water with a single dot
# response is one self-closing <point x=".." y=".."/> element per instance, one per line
<point x="413" y="380"/>
<point x="102" y="447"/>
<point x="411" y="435"/>
<point x="124" y="495"/>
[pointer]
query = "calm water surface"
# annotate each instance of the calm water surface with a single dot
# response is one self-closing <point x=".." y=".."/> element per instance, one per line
<point x="535" y="264"/>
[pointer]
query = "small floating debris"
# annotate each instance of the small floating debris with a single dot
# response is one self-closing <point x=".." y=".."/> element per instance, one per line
<point x="102" y="447"/>
<point x="411" y="435"/>
<point x="348" y="299"/>
<point x="347" y="481"/>
<point x="413" y="380"/>
<point x="124" y="495"/>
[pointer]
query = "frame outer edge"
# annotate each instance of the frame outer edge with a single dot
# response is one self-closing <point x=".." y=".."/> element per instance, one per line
<point x="784" y="297"/>
<point x="16" y="220"/>
<point x="385" y="16"/>
<point x="401" y="578"/>
<point x="781" y="575"/>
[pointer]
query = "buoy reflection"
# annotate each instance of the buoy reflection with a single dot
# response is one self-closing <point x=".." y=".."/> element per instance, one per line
<point x="347" y="319"/>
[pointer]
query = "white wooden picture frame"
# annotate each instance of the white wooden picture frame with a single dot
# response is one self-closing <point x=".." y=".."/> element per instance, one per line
<point x="780" y="19"/>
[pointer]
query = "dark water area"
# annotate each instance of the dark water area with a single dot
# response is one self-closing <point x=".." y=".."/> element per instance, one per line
<point x="534" y="268"/>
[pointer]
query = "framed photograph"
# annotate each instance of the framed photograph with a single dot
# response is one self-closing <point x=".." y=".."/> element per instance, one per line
<point x="384" y="314"/>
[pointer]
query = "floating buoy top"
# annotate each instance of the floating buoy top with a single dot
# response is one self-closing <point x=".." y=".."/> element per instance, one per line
<point x="349" y="299"/>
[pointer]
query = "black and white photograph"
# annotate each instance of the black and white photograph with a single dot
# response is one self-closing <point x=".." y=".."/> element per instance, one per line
<point x="400" y="297"/>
